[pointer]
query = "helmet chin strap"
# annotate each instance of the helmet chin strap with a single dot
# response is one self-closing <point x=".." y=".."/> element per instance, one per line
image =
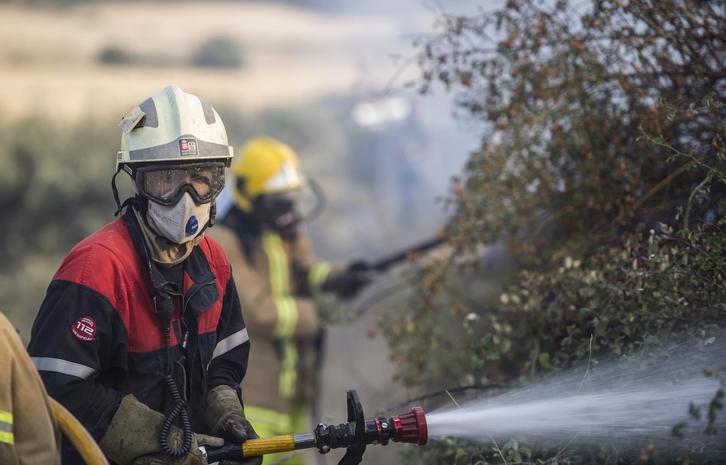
<point x="114" y="189"/>
<point x="136" y="200"/>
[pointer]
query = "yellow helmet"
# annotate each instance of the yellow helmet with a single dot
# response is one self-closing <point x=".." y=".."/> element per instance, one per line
<point x="264" y="166"/>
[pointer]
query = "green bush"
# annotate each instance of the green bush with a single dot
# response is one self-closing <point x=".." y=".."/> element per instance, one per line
<point x="603" y="173"/>
<point x="218" y="52"/>
<point x="114" y="56"/>
<point x="54" y="190"/>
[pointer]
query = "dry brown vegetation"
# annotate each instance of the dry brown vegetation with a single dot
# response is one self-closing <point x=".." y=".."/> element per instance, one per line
<point x="49" y="68"/>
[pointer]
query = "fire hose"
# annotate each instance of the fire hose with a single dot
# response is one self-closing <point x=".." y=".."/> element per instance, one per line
<point x="387" y="262"/>
<point x="77" y="435"/>
<point x="354" y="435"/>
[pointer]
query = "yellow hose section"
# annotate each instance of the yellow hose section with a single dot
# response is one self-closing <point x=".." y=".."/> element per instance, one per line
<point x="77" y="434"/>
<point x="271" y="445"/>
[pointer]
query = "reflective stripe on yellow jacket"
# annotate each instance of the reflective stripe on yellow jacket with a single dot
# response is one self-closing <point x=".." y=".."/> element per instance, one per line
<point x="28" y="434"/>
<point x="6" y="427"/>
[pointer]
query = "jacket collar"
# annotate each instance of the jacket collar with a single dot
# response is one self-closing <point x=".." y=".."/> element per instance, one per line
<point x="200" y="290"/>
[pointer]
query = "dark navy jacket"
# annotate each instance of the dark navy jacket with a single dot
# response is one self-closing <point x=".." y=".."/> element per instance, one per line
<point x="97" y="337"/>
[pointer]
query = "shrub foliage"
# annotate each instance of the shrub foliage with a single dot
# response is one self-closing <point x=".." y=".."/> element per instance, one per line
<point x="603" y="172"/>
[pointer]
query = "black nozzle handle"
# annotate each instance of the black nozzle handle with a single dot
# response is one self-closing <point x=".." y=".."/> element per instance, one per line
<point x="354" y="454"/>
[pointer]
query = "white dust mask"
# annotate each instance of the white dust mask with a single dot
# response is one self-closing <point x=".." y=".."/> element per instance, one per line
<point x="181" y="222"/>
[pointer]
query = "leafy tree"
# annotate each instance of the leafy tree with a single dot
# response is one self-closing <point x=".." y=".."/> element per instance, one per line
<point x="602" y="171"/>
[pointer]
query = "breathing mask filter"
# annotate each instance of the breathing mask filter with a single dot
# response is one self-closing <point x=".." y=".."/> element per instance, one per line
<point x="182" y="221"/>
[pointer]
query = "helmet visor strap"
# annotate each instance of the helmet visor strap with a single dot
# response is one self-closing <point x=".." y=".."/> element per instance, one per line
<point x="166" y="184"/>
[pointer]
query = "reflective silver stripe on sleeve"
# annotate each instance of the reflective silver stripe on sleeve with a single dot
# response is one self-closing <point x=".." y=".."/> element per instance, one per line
<point x="65" y="367"/>
<point x="230" y="342"/>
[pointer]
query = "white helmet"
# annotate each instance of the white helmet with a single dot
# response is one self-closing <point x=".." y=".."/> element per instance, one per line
<point x="179" y="133"/>
<point x="172" y="126"/>
<point x="174" y="146"/>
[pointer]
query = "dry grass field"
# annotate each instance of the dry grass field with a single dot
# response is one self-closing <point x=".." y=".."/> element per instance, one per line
<point x="49" y="65"/>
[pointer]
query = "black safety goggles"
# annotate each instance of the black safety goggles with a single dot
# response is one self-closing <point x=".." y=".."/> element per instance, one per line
<point x="166" y="184"/>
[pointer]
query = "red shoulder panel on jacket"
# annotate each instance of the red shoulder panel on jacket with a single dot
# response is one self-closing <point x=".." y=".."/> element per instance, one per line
<point x="106" y="262"/>
<point x="217" y="259"/>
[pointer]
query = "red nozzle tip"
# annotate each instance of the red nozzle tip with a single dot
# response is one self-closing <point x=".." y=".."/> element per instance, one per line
<point x="411" y="427"/>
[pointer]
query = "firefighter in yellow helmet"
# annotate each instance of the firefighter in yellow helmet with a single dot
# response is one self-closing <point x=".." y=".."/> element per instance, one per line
<point x="277" y="277"/>
<point x="28" y="432"/>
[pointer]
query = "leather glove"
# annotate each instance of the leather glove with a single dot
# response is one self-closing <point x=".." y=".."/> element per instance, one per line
<point x="194" y="457"/>
<point x="133" y="437"/>
<point x="346" y="283"/>
<point x="251" y="434"/>
<point x="225" y="417"/>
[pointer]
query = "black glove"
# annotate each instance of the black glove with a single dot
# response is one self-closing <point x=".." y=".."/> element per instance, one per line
<point x="240" y="427"/>
<point x="225" y="417"/>
<point x="346" y="283"/>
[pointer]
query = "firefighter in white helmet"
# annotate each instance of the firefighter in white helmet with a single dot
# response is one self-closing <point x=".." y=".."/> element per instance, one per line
<point x="277" y="277"/>
<point x="140" y="334"/>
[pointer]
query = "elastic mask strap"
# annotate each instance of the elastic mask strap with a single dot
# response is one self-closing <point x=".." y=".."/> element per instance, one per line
<point x="212" y="213"/>
<point x="210" y="222"/>
<point x="120" y="206"/>
<point x="130" y="201"/>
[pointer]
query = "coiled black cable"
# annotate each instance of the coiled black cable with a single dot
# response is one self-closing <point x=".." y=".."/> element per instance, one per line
<point x="164" y="309"/>
<point x="178" y="411"/>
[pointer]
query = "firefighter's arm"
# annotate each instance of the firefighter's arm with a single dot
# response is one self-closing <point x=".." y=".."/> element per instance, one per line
<point x="229" y="359"/>
<point x="316" y="276"/>
<point x="77" y="335"/>
<point x="312" y="273"/>
<point x="8" y="387"/>
<point x="265" y="315"/>
<point x="282" y="316"/>
<point x="78" y="340"/>
<point x="224" y="415"/>
<point x="27" y="428"/>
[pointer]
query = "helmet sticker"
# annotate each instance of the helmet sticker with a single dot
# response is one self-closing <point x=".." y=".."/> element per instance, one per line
<point x="188" y="147"/>
<point x="84" y="329"/>
<point x="131" y="120"/>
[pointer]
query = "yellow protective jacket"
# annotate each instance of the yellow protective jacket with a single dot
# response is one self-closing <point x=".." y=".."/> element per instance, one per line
<point x="275" y="280"/>
<point x="28" y="432"/>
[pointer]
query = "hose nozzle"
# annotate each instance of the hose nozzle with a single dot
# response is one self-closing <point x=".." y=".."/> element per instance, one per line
<point x="411" y="427"/>
<point x="355" y="435"/>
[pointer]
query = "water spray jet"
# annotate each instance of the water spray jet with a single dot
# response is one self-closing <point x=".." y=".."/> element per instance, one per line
<point x="626" y="405"/>
<point x="662" y="399"/>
